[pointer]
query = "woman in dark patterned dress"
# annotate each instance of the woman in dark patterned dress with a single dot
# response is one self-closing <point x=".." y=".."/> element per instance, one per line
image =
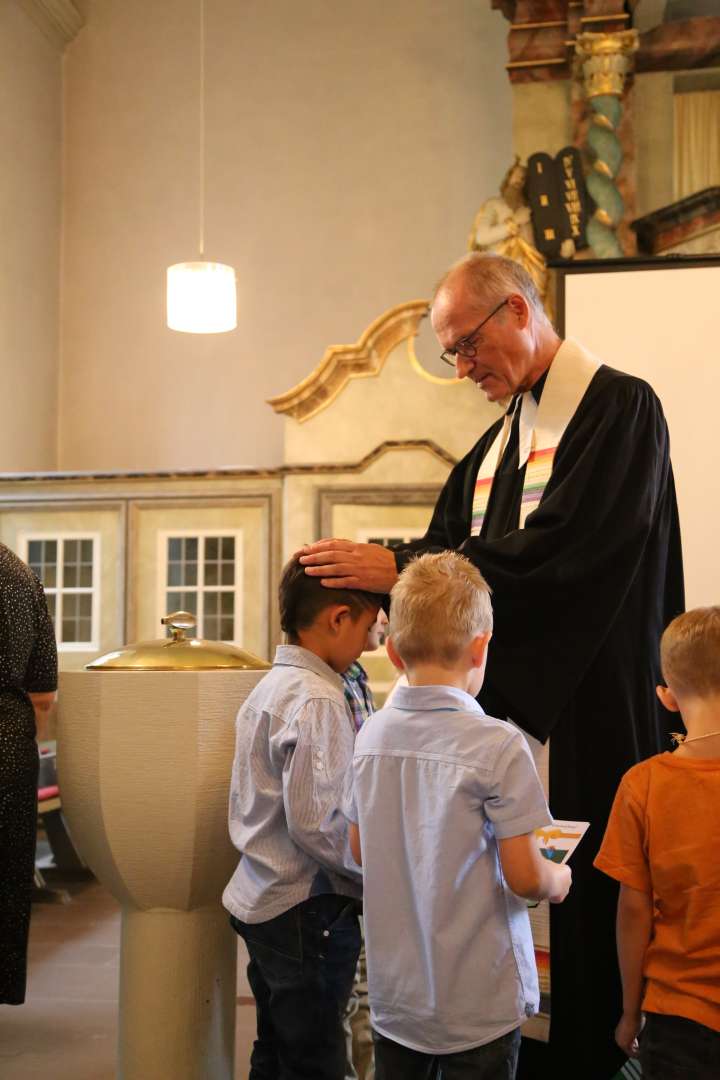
<point x="28" y="679"/>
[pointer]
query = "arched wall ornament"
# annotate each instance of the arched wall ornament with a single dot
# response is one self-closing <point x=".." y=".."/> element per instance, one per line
<point x="362" y="360"/>
<point x="436" y="380"/>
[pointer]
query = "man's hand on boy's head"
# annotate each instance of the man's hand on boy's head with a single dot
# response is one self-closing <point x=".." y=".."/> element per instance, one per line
<point x="343" y="564"/>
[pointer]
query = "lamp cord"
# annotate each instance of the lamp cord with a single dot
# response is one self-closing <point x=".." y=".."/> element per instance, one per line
<point x="202" y="128"/>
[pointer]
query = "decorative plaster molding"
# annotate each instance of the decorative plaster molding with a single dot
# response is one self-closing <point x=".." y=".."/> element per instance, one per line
<point x="215" y="476"/>
<point x="344" y="362"/>
<point x="59" y="19"/>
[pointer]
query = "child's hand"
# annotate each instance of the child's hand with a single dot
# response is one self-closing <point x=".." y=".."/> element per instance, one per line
<point x="562" y="880"/>
<point x="626" y="1033"/>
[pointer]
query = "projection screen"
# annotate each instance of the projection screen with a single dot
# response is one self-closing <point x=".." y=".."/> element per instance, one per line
<point x="661" y="320"/>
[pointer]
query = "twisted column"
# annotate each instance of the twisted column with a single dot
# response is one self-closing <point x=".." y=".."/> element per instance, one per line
<point x="606" y="60"/>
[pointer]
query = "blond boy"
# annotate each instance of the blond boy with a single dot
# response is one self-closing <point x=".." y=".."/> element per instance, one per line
<point x="661" y="845"/>
<point x="444" y="803"/>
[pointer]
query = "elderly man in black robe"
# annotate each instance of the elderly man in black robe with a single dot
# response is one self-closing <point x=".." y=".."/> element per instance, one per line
<point x="567" y="506"/>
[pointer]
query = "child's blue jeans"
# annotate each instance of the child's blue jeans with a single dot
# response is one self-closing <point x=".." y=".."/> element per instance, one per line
<point x="301" y="971"/>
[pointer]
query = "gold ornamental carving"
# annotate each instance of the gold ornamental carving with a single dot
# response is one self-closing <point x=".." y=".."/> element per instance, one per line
<point x="341" y="363"/>
<point x="606" y="60"/>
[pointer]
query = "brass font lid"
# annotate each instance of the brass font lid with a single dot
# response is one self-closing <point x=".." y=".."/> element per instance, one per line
<point x="178" y="653"/>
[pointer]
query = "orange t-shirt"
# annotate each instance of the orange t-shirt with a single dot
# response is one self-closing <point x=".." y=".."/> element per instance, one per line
<point x="663" y="837"/>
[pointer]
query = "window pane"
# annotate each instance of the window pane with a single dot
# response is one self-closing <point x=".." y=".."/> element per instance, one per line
<point x="84" y="632"/>
<point x="211" y="629"/>
<point x="174" y="548"/>
<point x="228" y="574"/>
<point x="173" y="602"/>
<point x="71" y="552"/>
<point x="85" y="605"/>
<point x="86" y="551"/>
<point x="211" y="547"/>
<point x="227" y="604"/>
<point x="211" y="603"/>
<point x="70" y="577"/>
<point x="42" y="556"/>
<point x="70" y="606"/>
<point x="68" y="630"/>
<point x="191" y="548"/>
<point x="228" y="548"/>
<point x="211" y="573"/>
<point x="389" y="541"/>
<point x="227" y="630"/>
<point x="86" y="576"/>
<point x="182" y="601"/>
<point x="180" y="572"/>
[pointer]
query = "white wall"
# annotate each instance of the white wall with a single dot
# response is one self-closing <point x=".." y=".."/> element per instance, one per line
<point x="348" y="148"/>
<point x="30" y="193"/>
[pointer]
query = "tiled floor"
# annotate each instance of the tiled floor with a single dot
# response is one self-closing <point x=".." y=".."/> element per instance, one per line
<point x="67" y="1028"/>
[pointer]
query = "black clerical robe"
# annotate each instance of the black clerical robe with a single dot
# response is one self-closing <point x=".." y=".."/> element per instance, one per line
<point x="581" y="596"/>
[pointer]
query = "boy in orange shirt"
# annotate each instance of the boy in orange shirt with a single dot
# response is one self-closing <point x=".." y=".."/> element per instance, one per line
<point x="661" y="844"/>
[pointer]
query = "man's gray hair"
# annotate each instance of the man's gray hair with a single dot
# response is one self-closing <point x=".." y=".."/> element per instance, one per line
<point x="492" y="278"/>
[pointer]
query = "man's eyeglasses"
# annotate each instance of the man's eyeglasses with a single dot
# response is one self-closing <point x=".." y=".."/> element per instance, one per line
<point x="465" y="346"/>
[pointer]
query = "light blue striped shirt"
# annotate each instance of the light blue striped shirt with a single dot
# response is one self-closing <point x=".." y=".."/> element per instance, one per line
<point x="294" y="744"/>
<point x="435" y="784"/>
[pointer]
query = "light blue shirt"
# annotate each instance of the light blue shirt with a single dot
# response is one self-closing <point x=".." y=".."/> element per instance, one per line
<point x="293" y="747"/>
<point x="435" y="783"/>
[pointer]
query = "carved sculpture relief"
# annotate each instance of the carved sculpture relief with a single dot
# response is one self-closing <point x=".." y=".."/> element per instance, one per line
<point x="503" y="225"/>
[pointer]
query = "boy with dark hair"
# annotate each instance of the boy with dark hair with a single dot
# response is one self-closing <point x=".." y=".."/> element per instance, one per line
<point x="293" y="897"/>
<point x="661" y="845"/>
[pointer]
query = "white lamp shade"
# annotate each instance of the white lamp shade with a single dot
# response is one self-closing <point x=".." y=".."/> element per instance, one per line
<point x="201" y="298"/>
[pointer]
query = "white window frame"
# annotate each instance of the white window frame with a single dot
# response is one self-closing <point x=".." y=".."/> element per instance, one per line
<point x="163" y="588"/>
<point x="59" y="590"/>
<point x="412" y="532"/>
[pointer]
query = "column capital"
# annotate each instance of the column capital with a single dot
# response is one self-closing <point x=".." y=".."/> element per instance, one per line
<point x="606" y="60"/>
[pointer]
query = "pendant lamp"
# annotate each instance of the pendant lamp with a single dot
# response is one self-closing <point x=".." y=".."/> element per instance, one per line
<point x="201" y="295"/>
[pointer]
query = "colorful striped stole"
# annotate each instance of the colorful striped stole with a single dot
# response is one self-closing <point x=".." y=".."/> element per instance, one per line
<point x="480" y="501"/>
<point x="537" y="474"/>
<point x="541" y="429"/>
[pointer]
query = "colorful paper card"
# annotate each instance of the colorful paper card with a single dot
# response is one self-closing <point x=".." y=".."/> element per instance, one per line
<point x="559" y="840"/>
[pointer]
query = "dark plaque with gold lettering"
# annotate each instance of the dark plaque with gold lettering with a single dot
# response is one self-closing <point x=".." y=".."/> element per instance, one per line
<point x="558" y="199"/>
<point x="577" y="205"/>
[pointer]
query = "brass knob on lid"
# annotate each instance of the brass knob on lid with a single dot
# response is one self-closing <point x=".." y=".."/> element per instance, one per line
<point x="179" y="622"/>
